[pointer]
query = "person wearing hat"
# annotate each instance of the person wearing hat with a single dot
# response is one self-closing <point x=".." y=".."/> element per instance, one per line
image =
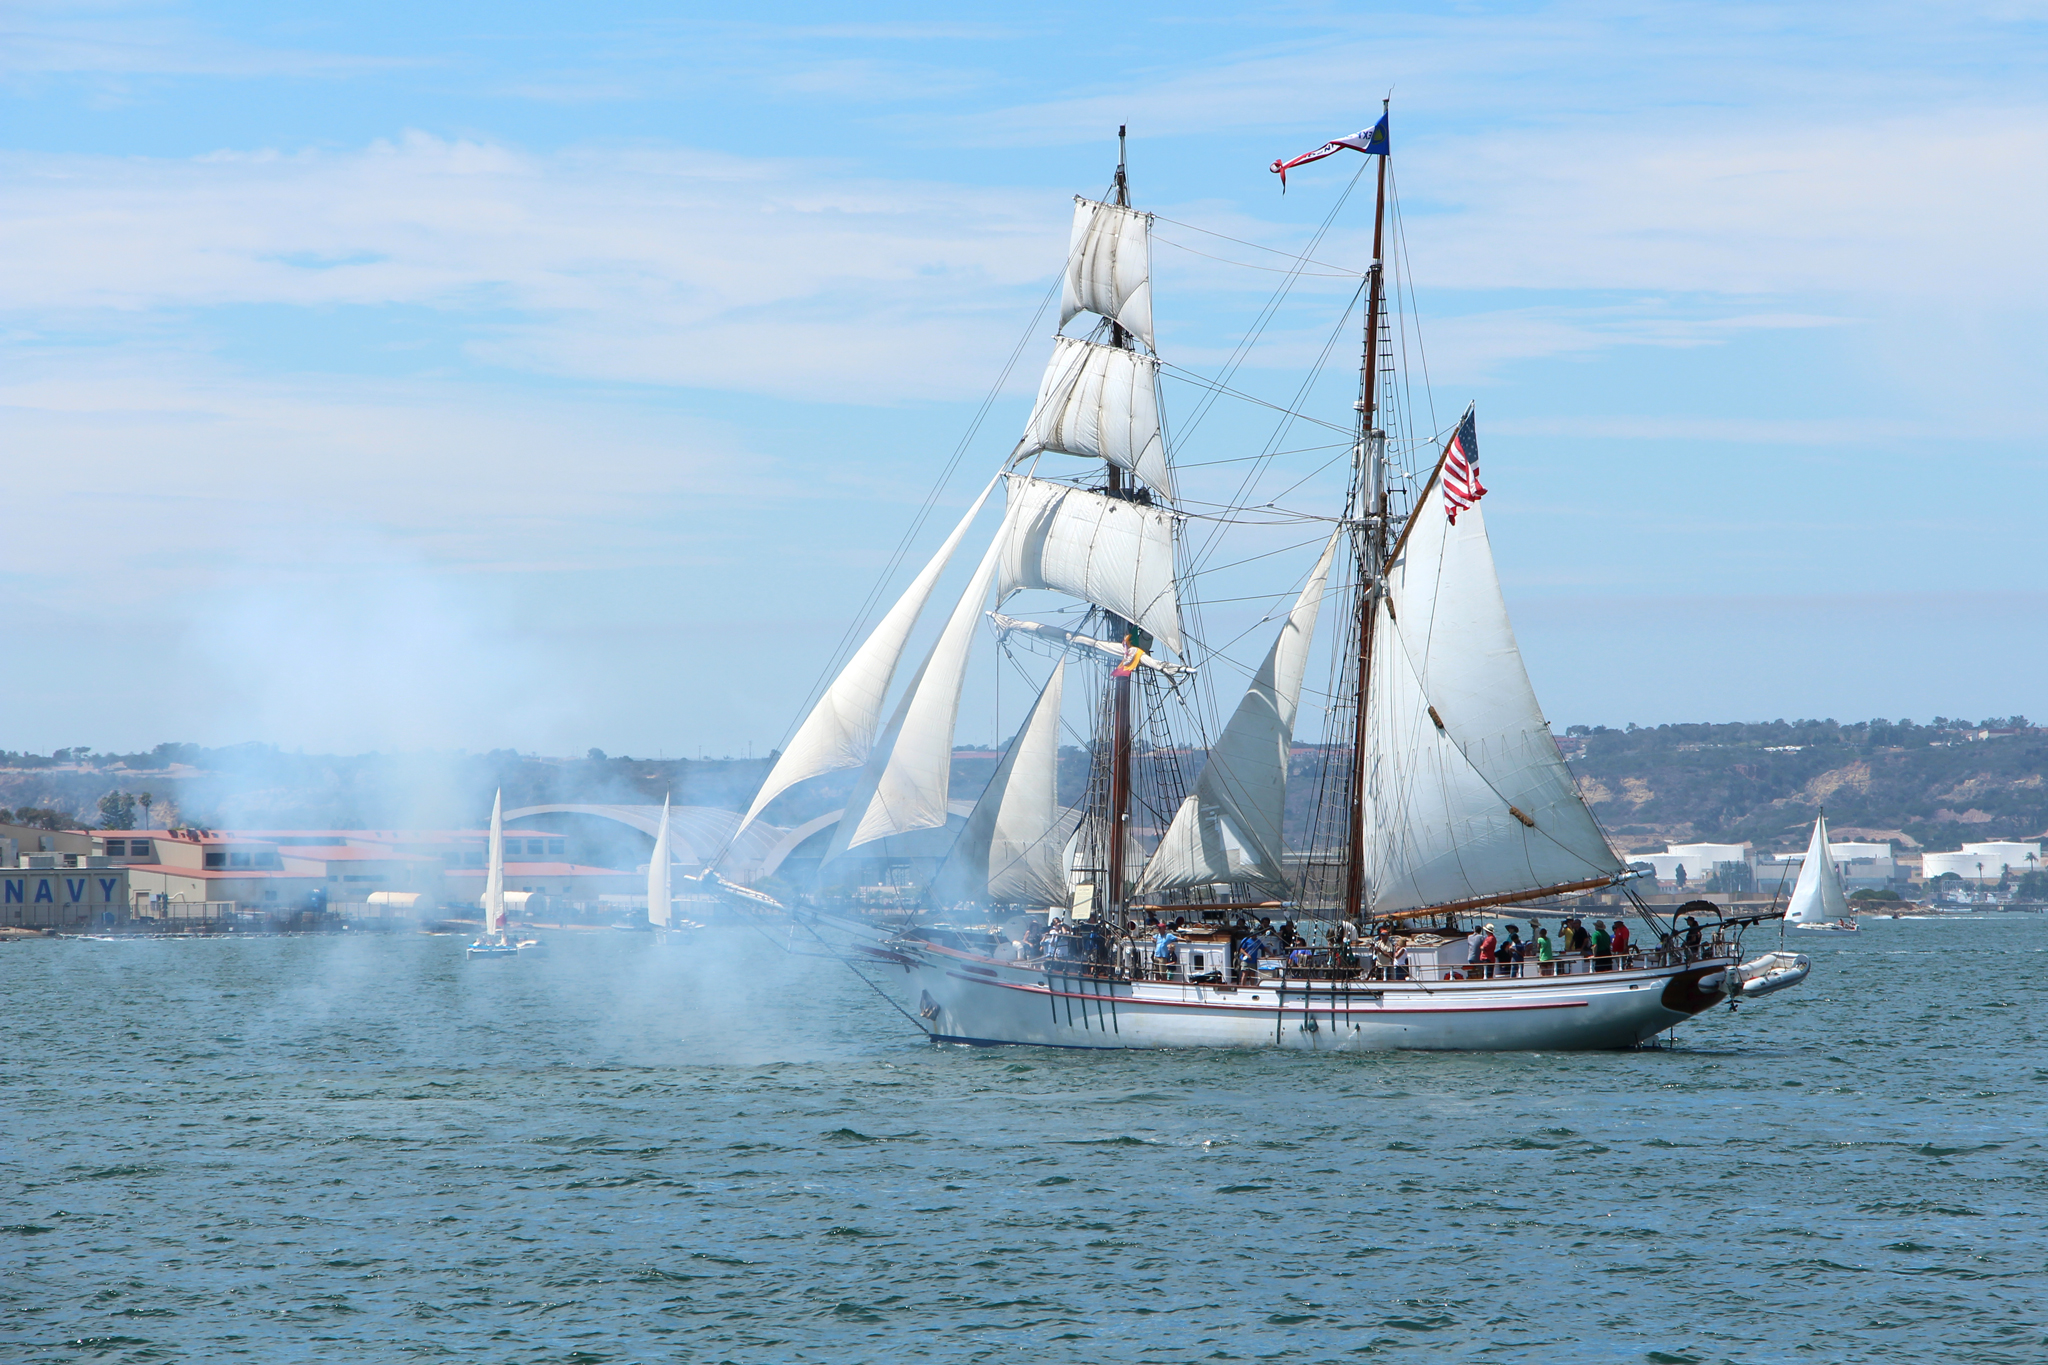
<point x="1511" y="952"/>
<point x="1489" y="952"/>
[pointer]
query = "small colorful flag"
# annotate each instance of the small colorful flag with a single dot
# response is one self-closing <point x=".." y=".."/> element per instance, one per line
<point x="1132" y="658"/>
<point x="1373" y="142"/>
<point x="1461" y="466"/>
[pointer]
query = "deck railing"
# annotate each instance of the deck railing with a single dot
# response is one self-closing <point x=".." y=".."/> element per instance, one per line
<point x="1132" y="960"/>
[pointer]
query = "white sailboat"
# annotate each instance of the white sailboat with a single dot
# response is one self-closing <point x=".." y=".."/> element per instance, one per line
<point x="660" y="868"/>
<point x="1818" y="901"/>
<point x="1443" y="796"/>
<point x="496" y="940"/>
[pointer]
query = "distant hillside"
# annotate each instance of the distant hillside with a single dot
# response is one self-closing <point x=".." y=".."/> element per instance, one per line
<point x="256" y="786"/>
<point x="1927" y="786"/>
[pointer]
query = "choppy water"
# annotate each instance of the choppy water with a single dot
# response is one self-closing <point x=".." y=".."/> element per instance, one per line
<point x="370" y="1150"/>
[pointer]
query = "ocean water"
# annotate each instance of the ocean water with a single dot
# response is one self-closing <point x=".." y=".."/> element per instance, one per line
<point x="369" y="1150"/>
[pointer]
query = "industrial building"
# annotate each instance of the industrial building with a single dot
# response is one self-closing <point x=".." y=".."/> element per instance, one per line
<point x="1983" y="864"/>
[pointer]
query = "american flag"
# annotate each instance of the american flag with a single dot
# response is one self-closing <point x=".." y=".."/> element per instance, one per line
<point x="1461" y="466"/>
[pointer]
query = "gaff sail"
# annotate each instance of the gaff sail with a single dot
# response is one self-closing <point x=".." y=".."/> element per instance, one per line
<point x="1466" y="795"/>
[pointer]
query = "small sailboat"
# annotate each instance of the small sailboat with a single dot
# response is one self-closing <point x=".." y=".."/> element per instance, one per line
<point x="1818" y="901"/>
<point x="661" y="900"/>
<point x="495" y="941"/>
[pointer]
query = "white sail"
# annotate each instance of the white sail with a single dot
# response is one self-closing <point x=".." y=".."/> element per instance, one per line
<point x="1103" y="402"/>
<point x="1817" y="897"/>
<point x="904" y="786"/>
<point x="840" y="731"/>
<point x="1228" y="828"/>
<point x="494" y="878"/>
<point x="1109" y="551"/>
<point x="1109" y="267"/>
<point x="660" y="900"/>
<point x="1467" y="796"/>
<point x="1014" y="847"/>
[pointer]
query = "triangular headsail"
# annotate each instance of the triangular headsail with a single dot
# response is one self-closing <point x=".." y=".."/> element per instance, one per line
<point x="840" y="730"/>
<point x="905" y="784"/>
<point x="1228" y="828"/>
<point x="1467" y="798"/>
<point x="1013" y="849"/>
<point x="1817" y="897"/>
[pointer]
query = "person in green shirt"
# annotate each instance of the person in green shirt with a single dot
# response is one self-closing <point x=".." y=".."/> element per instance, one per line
<point x="1602" y="946"/>
<point x="1543" y="952"/>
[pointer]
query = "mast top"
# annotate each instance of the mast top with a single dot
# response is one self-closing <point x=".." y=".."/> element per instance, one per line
<point x="1123" y="187"/>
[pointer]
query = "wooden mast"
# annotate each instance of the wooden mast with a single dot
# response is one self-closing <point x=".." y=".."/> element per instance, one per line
<point x="1120" y="697"/>
<point x="1372" y="541"/>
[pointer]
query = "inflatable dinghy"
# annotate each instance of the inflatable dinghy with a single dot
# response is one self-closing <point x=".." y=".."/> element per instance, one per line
<point x="1772" y="972"/>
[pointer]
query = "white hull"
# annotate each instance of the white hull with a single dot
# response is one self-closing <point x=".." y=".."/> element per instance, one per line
<point x="967" y="999"/>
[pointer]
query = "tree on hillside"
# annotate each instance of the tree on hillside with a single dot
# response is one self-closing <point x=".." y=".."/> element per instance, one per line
<point x="117" y="810"/>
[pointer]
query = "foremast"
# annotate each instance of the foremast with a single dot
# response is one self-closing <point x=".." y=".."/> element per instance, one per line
<point x="1118" y="816"/>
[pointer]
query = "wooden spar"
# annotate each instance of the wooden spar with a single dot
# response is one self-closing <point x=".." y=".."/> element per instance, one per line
<point x="1374" y="543"/>
<point x="1120" y="702"/>
<point x="1505" y="898"/>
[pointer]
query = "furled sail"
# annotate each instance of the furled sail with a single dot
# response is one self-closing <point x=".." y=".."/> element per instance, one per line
<point x="904" y="785"/>
<point x="1112" y="552"/>
<point x="1228" y="827"/>
<point x="1101" y="401"/>
<point x="1817" y="897"/>
<point x="1068" y="640"/>
<point x="1109" y="267"/>
<point x="840" y="731"/>
<point x="1467" y="796"/>
<point x="494" y="877"/>
<point x="660" y="900"/>
<point x="1013" y="850"/>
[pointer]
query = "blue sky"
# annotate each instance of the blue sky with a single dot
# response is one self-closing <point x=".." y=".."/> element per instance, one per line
<point x="556" y="376"/>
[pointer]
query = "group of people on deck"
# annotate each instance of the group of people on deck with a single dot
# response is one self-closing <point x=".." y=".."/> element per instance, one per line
<point x="1603" y="948"/>
<point x="1491" y="953"/>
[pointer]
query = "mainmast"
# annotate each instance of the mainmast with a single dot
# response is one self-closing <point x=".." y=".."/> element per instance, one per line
<point x="1370" y="499"/>
<point x="1120" y="702"/>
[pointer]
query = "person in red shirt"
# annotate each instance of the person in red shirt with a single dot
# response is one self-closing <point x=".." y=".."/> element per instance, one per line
<point x="1489" y="952"/>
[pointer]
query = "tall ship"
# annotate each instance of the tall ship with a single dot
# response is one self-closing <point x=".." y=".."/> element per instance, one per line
<point x="1138" y="909"/>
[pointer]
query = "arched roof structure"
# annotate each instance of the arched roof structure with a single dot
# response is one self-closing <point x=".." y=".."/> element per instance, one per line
<point x="697" y="834"/>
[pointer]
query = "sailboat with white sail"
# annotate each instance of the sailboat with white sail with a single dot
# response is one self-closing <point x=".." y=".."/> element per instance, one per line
<point x="496" y="940"/>
<point x="1439" y="795"/>
<point x="1818" y="901"/>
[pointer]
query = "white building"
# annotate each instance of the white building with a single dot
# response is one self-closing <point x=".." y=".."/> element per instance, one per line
<point x="1861" y="865"/>
<point x="1698" y="860"/>
<point x="1983" y="862"/>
